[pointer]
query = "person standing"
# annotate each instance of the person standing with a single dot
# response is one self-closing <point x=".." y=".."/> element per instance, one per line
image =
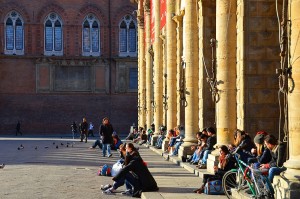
<point x="83" y="130"/>
<point x="74" y="129"/>
<point x="106" y="131"/>
<point x="18" y="128"/>
<point x="91" y="130"/>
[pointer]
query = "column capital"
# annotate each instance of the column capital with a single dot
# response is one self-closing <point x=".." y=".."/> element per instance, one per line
<point x="178" y="18"/>
<point x="147" y="5"/>
<point x="140" y="20"/>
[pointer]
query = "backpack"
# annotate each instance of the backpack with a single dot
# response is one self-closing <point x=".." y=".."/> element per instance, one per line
<point x="214" y="187"/>
<point x="105" y="170"/>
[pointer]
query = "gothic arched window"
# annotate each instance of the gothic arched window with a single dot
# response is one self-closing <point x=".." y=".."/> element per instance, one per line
<point x="91" y="36"/>
<point x="53" y="35"/>
<point x="127" y="37"/>
<point x="14" y="34"/>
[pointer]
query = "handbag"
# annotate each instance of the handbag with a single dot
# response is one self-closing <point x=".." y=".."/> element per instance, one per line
<point x="214" y="187"/>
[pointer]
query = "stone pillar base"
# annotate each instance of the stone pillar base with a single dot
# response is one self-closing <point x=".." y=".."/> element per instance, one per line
<point x="165" y="145"/>
<point x="184" y="151"/>
<point x="285" y="188"/>
<point x="154" y="140"/>
<point x="212" y="160"/>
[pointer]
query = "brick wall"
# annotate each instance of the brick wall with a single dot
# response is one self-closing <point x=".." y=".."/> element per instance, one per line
<point x="53" y="112"/>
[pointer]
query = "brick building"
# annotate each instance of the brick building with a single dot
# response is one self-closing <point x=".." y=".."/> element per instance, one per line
<point x="62" y="60"/>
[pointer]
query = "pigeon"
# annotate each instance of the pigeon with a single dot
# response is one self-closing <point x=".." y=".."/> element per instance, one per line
<point x="35" y="148"/>
<point x="67" y="145"/>
<point x="18" y="148"/>
<point x="61" y="144"/>
<point x="46" y="147"/>
<point x="56" y="146"/>
<point x="21" y="146"/>
<point x="2" y="166"/>
<point x="53" y="143"/>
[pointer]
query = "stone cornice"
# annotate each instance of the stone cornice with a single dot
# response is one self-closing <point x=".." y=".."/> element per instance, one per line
<point x="68" y="62"/>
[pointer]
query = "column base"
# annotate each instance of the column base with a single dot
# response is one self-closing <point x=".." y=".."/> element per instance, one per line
<point x="154" y="140"/>
<point x="165" y="145"/>
<point x="285" y="188"/>
<point x="184" y="151"/>
<point x="212" y="160"/>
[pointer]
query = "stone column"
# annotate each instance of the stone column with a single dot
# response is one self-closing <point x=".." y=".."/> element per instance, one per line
<point x="207" y="34"/>
<point x="171" y="65"/>
<point x="149" y="113"/>
<point x="191" y="59"/>
<point x="158" y="74"/>
<point x="180" y="107"/>
<point x="141" y="67"/>
<point x="171" y="69"/>
<point x="226" y="115"/>
<point x="289" y="185"/>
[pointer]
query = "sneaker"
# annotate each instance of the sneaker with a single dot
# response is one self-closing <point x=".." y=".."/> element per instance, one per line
<point x="127" y="192"/>
<point x="108" y="191"/>
<point x="92" y="147"/>
<point x="109" y="155"/>
<point x="104" y="187"/>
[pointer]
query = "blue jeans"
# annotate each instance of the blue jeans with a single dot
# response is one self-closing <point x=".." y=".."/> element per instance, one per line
<point x="104" y="148"/>
<point x="273" y="171"/>
<point x="176" y="148"/>
<point x="172" y="141"/>
<point x="205" y="156"/>
<point x="196" y="156"/>
<point x="122" y="181"/>
<point x="97" y="143"/>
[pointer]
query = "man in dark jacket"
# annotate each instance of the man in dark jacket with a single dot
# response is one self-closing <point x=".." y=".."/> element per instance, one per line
<point x="106" y="130"/>
<point x="278" y="152"/>
<point x="83" y="130"/>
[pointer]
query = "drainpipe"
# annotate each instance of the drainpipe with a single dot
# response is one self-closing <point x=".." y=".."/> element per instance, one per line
<point x="110" y="46"/>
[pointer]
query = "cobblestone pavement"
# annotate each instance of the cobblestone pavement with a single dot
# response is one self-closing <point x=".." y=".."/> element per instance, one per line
<point x="65" y="168"/>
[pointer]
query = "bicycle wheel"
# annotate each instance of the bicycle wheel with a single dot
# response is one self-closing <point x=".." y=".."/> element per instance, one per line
<point x="229" y="181"/>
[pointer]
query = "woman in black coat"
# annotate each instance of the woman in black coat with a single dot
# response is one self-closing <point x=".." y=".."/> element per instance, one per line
<point x="136" y="173"/>
<point x="105" y="131"/>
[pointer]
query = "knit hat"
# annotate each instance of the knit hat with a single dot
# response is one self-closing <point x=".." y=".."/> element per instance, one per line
<point x="260" y="136"/>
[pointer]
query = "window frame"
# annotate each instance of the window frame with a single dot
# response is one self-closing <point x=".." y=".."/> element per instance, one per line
<point x="14" y="51"/>
<point x="53" y="20"/>
<point x="128" y="19"/>
<point x="91" y="21"/>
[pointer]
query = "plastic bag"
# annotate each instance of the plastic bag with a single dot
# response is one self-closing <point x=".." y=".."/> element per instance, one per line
<point x="116" y="168"/>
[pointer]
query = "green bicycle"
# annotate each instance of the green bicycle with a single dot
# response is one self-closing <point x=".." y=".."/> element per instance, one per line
<point x="246" y="178"/>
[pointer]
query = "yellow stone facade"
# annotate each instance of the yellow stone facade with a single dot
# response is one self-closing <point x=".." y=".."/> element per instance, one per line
<point x="230" y="64"/>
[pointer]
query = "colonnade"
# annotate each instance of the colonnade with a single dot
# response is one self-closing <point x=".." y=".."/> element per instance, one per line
<point x="184" y="49"/>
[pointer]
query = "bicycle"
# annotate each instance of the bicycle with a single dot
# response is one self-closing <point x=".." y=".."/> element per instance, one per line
<point x="246" y="178"/>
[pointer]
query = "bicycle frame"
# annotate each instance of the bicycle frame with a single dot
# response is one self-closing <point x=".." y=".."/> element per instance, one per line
<point x="242" y="169"/>
<point x="258" y="184"/>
